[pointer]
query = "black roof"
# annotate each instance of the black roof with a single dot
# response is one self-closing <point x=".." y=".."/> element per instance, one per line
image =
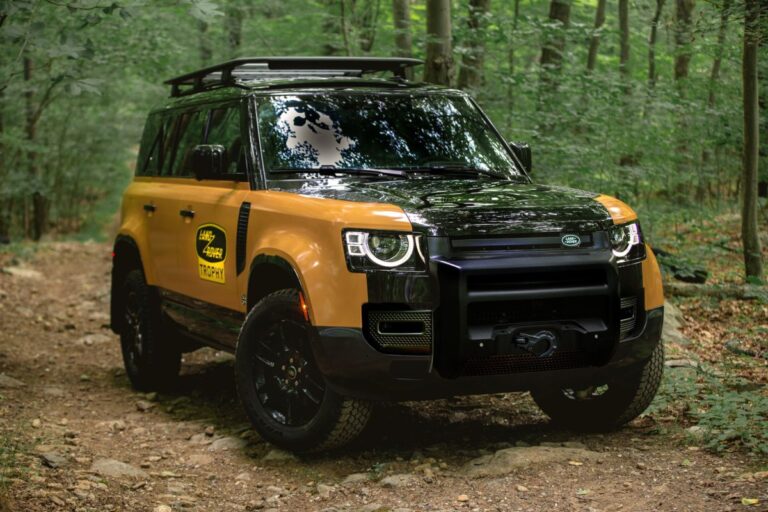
<point x="269" y="68"/>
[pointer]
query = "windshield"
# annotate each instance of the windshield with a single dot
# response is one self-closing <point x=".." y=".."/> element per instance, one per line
<point x="360" y="132"/>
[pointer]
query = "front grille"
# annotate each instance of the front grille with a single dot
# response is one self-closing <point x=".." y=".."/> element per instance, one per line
<point x="525" y="363"/>
<point x="537" y="310"/>
<point x="400" y="331"/>
<point x="524" y="242"/>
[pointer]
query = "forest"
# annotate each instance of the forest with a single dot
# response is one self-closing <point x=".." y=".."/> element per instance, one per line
<point x="660" y="103"/>
<point x="641" y="100"/>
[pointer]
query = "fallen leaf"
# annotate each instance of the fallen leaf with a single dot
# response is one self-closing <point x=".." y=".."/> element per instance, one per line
<point x="575" y="463"/>
<point x="750" y="501"/>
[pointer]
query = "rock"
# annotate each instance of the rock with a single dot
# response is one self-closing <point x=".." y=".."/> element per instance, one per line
<point x="276" y="455"/>
<point x="227" y="443"/>
<point x="23" y="272"/>
<point x="53" y="460"/>
<point x="673" y="322"/>
<point x="243" y="477"/>
<point x="94" y="339"/>
<point x="7" y="382"/>
<point x="199" y="459"/>
<point x="400" y="480"/>
<point x="116" y="469"/>
<point x="144" y="406"/>
<point x="509" y="459"/>
<point x="162" y="508"/>
<point x="697" y="432"/>
<point x="324" y="491"/>
<point x="521" y="488"/>
<point x="355" y="478"/>
<point x="374" y="507"/>
<point x="210" y="430"/>
<point x="36" y="423"/>
<point x="462" y="498"/>
<point x="681" y="363"/>
<point x="54" y="391"/>
<point x="200" y="439"/>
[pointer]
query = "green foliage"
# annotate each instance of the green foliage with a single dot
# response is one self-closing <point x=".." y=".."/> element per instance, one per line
<point x="731" y="413"/>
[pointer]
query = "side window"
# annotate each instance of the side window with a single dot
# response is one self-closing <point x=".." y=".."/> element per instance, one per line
<point x="147" y="163"/>
<point x="188" y="134"/>
<point x="224" y="129"/>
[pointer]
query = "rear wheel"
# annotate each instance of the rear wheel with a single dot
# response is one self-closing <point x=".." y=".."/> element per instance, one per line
<point x="608" y="405"/>
<point x="152" y="360"/>
<point x="283" y="392"/>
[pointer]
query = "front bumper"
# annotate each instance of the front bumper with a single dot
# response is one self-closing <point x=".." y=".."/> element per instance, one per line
<point x="477" y="305"/>
<point x="354" y="368"/>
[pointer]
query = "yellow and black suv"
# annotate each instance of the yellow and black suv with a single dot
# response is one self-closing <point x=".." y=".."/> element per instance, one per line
<point x="354" y="237"/>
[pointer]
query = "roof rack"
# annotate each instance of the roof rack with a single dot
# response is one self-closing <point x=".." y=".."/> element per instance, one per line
<point x="270" y="68"/>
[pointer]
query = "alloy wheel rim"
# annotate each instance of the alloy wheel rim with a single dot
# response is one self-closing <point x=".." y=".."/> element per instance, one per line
<point x="288" y="385"/>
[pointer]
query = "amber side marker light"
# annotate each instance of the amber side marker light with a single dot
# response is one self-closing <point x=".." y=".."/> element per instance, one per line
<point x="304" y="308"/>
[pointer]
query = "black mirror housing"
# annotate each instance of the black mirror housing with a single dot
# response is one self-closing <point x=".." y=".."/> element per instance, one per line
<point x="523" y="153"/>
<point x="207" y="160"/>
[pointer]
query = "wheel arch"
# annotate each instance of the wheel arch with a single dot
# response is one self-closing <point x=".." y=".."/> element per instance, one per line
<point x="269" y="273"/>
<point x="126" y="256"/>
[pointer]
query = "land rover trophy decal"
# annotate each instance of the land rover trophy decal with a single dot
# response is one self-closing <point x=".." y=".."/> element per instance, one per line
<point x="571" y="240"/>
<point x="211" y="245"/>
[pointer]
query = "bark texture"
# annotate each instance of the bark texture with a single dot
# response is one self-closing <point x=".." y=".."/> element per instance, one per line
<point x="438" y="67"/>
<point x="594" y="41"/>
<point x="652" y="37"/>
<point x="471" y="72"/>
<point x="753" y="262"/>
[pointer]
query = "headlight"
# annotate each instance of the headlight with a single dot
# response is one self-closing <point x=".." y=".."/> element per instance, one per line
<point x="383" y="250"/>
<point x="627" y="242"/>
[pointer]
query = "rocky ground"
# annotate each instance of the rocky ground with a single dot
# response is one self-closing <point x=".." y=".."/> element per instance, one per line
<point x="74" y="436"/>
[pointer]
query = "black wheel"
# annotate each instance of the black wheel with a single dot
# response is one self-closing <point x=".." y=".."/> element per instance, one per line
<point x="283" y="392"/>
<point x="152" y="360"/>
<point x="608" y="405"/>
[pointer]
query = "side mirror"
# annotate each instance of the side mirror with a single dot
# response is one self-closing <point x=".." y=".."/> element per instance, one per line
<point x="207" y="160"/>
<point x="523" y="153"/>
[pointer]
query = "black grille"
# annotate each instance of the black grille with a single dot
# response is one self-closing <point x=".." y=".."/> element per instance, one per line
<point x="537" y="310"/>
<point x="524" y="242"/>
<point x="400" y="331"/>
<point x="525" y="363"/>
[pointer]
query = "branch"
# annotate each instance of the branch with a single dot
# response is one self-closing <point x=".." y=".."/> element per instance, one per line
<point x="724" y="291"/>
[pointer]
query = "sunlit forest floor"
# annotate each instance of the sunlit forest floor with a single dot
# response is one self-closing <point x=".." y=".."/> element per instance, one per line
<point x="68" y="418"/>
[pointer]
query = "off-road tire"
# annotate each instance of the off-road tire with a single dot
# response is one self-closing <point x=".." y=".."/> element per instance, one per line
<point x="337" y="420"/>
<point x="156" y="366"/>
<point x="625" y="399"/>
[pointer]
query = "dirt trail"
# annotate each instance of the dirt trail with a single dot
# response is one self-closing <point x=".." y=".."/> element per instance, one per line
<point x="68" y="419"/>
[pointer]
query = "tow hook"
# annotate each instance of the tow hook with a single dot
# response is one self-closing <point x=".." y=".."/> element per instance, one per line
<point x="541" y="344"/>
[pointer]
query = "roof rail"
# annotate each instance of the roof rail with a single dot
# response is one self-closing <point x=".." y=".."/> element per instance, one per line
<point x="265" y="68"/>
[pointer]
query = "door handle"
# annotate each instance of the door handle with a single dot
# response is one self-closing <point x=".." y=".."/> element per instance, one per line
<point x="187" y="213"/>
<point x="150" y="207"/>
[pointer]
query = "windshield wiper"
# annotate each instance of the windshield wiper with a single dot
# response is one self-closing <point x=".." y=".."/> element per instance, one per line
<point x="332" y="171"/>
<point x="449" y="168"/>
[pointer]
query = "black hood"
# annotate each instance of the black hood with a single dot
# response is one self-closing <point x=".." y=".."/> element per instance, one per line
<point x="448" y="207"/>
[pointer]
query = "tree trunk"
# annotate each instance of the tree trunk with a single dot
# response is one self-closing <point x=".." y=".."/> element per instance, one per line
<point x="5" y="210"/>
<point x="554" y="41"/>
<point x="652" y="76"/>
<point x="233" y="22"/>
<point x="401" y="13"/>
<point x="38" y="199"/>
<point x="594" y="41"/>
<point x="206" y="53"/>
<point x="471" y="73"/>
<point x="683" y="40"/>
<point x="511" y="61"/>
<point x="753" y="262"/>
<point x="367" y="17"/>
<point x="714" y="77"/>
<point x="439" y="63"/>
<point x="624" y="40"/>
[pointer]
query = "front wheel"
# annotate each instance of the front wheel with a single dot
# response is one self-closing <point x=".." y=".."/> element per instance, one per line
<point x="283" y="392"/>
<point x="606" y="406"/>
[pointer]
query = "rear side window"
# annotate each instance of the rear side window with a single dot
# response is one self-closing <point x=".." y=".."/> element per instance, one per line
<point x="148" y="162"/>
<point x="224" y="130"/>
<point x="186" y="133"/>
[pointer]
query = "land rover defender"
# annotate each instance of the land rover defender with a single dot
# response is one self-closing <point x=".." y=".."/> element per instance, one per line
<point x="354" y="237"/>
